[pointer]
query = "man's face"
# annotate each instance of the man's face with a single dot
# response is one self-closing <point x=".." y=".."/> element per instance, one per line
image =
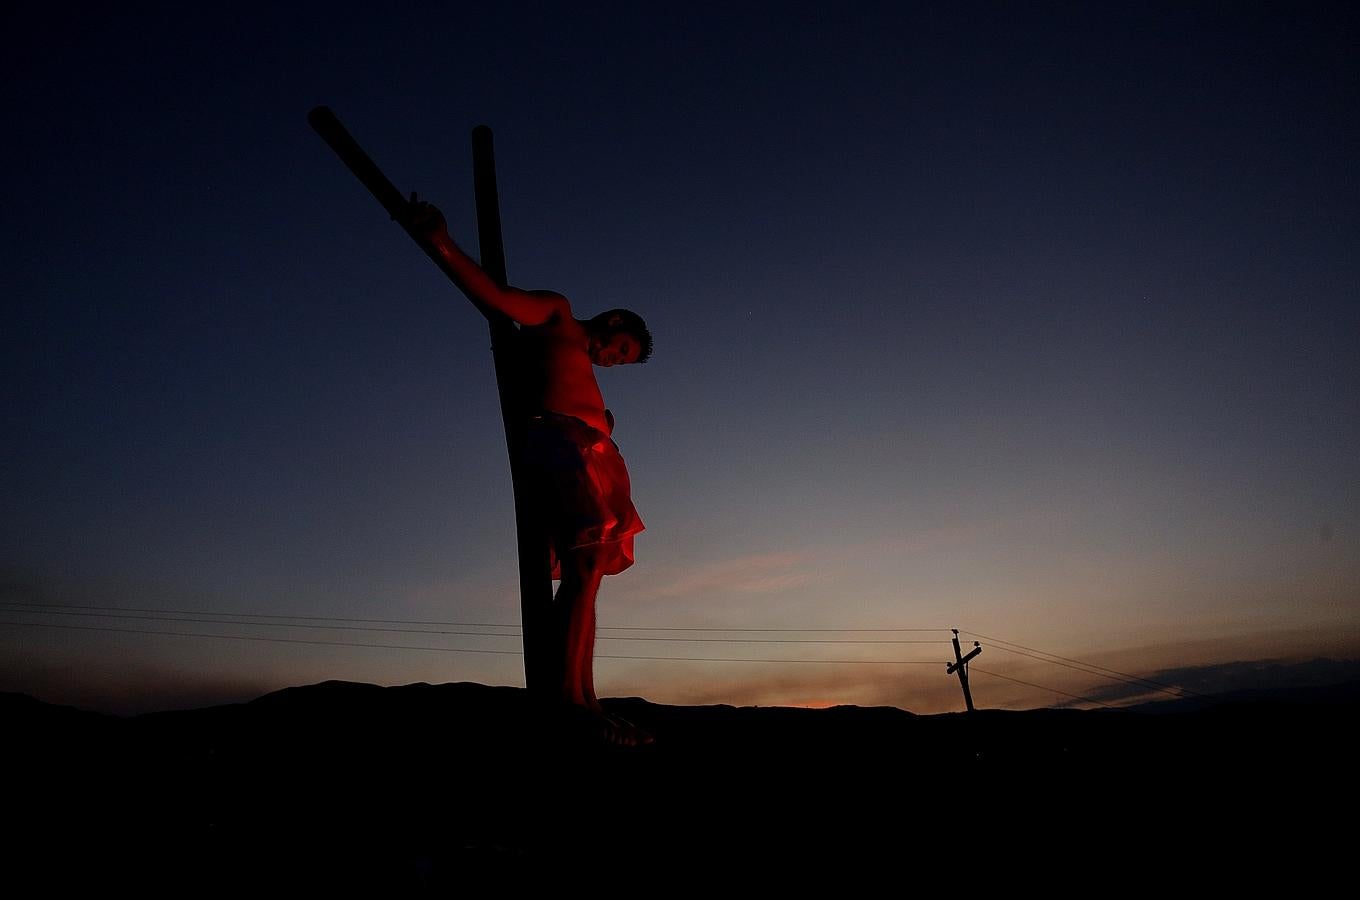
<point x="617" y="349"/>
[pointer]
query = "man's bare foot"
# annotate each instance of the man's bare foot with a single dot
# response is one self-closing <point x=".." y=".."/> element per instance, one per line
<point x="629" y="735"/>
<point x="613" y="731"/>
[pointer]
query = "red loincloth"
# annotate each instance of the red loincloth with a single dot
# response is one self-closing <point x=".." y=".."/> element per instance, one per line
<point x="583" y="482"/>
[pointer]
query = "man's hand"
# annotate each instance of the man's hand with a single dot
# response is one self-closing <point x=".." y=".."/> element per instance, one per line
<point x="426" y="224"/>
<point x="425" y="220"/>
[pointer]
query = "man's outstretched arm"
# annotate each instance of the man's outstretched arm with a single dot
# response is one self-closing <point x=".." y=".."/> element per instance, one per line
<point x="524" y="307"/>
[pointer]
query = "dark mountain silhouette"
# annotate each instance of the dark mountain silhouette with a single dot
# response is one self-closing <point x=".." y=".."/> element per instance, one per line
<point x="432" y="784"/>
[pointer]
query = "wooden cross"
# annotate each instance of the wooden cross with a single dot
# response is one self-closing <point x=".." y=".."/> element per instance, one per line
<point x="542" y="654"/>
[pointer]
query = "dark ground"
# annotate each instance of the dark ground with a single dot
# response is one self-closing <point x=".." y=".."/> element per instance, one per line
<point x="442" y="786"/>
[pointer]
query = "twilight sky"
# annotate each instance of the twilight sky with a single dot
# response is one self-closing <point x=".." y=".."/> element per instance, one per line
<point x="1033" y="320"/>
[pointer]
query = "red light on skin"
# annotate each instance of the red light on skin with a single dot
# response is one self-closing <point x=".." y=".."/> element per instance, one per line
<point x="581" y="481"/>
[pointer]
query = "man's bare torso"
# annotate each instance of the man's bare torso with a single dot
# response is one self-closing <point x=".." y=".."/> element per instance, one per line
<point x="566" y="375"/>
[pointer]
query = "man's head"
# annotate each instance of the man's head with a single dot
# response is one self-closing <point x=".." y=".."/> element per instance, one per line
<point x="618" y="337"/>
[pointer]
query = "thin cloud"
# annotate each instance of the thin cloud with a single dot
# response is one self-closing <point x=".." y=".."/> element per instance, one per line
<point x="920" y="541"/>
<point x="1239" y="675"/>
<point x="752" y="574"/>
<point x="769" y="573"/>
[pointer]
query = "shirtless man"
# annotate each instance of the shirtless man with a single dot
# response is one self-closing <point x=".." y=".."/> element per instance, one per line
<point x="576" y="466"/>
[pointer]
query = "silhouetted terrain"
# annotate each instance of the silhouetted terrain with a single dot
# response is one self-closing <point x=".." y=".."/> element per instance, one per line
<point x="433" y="784"/>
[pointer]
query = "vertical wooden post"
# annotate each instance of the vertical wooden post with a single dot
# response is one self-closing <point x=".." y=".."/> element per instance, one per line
<point x="960" y="666"/>
<point x="541" y="651"/>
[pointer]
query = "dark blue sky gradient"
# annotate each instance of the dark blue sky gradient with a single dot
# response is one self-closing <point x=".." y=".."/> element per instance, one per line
<point x="1039" y="317"/>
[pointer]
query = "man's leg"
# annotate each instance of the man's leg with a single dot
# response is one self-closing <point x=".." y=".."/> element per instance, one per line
<point x="582" y="572"/>
<point x="581" y="576"/>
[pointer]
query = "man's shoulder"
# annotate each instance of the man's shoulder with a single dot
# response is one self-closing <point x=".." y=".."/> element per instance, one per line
<point x="561" y="306"/>
<point x="562" y="320"/>
<point x="550" y="296"/>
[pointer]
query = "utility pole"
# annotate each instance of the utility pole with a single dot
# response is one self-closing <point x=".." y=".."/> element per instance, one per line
<point x="960" y="667"/>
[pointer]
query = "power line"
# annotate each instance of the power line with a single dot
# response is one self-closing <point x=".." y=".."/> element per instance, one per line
<point x="515" y="634"/>
<point x="1132" y="680"/>
<point x="846" y="662"/>
<point x="275" y="640"/>
<point x="769" y="640"/>
<point x="366" y="625"/>
<point x="184" y="618"/>
<point x="242" y="637"/>
<point x="133" y="609"/>
<point x="44" y="607"/>
<point x="1090" y="666"/>
<point x="1039" y="686"/>
<point x="774" y="630"/>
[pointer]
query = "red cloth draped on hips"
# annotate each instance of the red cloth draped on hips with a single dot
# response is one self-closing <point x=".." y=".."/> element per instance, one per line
<point x="581" y="482"/>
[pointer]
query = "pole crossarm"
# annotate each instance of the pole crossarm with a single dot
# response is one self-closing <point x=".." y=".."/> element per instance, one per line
<point x="962" y="662"/>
